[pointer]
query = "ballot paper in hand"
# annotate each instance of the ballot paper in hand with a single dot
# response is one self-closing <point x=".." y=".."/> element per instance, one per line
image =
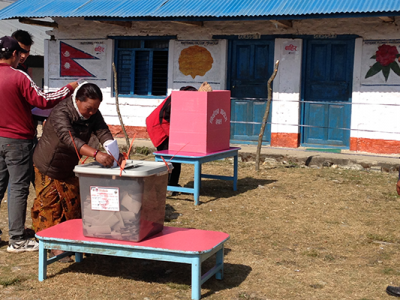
<point x="111" y="147"/>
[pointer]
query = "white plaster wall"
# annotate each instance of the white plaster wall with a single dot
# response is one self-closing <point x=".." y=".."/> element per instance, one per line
<point x="287" y="85"/>
<point x="376" y="108"/>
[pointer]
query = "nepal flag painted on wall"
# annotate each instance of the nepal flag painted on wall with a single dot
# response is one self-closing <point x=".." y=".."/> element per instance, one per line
<point x="69" y="66"/>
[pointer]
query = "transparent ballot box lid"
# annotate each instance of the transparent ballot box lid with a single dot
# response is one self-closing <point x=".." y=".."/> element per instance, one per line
<point x="133" y="168"/>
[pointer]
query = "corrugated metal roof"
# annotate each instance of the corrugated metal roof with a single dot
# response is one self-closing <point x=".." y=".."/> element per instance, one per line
<point x="194" y="8"/>
<point x="7" y="27"/>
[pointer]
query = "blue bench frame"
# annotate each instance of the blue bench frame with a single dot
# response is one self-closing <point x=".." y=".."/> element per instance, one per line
<point x="133" y="250"/>
<point x="197" y="159"/>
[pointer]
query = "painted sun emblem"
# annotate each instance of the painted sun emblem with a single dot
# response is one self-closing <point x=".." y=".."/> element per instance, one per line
<point x="195" y="60"/>
<point x="67" y="65"/>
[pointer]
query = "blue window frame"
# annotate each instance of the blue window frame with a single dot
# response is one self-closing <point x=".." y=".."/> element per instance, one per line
<point x="142" y="66"/>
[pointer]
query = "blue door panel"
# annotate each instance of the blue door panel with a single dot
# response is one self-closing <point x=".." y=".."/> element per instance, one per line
<point x="239" y="109"/>
<point x="261" y="56"/>
<point x="258" y="113"/>
<point x="327" y="82"/>
<point x="317" y="70"/>
<point x="335" y="134"/>
<point x="339" y="52"/>
<point x="316" y="115"/>
<point x="251" y="65"/>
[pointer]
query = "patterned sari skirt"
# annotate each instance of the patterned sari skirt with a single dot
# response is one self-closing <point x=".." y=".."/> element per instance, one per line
<point x="56" y="201"/>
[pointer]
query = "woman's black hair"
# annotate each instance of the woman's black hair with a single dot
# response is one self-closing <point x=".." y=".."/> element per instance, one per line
<point x="89" y="90"/>
<point x="165" y="112"/>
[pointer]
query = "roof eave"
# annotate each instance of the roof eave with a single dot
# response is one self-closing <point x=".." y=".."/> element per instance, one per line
<point x="247" y="18"/>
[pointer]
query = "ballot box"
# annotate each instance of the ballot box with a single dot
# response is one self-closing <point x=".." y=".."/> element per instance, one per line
<point x="200" y="121"/>
<point x="129" y="207"/>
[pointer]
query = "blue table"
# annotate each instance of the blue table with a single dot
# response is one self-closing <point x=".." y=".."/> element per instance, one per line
<point x="181" y="245"/>
<point x="197" y="159"/>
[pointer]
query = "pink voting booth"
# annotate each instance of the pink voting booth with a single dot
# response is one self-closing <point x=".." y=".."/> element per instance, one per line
<point x="200" y="120"/>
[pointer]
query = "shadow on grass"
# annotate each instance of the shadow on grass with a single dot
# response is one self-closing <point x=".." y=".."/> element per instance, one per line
<point x="3" y="243"/>
<point x="174" y="275"/>
<point x="220" y="189"/>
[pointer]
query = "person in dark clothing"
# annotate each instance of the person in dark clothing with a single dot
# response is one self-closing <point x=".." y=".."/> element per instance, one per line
<point x="158" y="128"/>
<point x="25" y="41"/>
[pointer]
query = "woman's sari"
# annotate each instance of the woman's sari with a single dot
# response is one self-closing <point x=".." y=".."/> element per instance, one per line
<point x="56" y="201"/>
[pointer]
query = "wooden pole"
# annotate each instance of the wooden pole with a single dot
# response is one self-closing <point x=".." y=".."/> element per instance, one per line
<point x="264" y="120"/>
<point x="117" y="105"/>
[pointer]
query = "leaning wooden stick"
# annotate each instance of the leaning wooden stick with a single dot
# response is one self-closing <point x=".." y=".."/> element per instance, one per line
<point x="265" y="118"/>
<point x="117" y="104"/>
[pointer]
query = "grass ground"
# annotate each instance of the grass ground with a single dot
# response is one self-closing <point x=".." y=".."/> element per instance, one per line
<point x="296" y="233"/>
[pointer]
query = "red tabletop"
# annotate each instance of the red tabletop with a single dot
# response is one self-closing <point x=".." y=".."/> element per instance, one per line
<point x="170" y="239"/>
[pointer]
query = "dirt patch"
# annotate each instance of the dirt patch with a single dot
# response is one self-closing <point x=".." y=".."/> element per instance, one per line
<point x="296" y="233"/>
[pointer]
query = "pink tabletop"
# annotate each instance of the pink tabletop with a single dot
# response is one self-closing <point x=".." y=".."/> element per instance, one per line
<point x="192" y="154"/>
<point x="171" y="238"/>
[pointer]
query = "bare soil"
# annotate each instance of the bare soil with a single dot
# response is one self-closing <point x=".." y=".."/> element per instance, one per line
<point x="295" y="233"/>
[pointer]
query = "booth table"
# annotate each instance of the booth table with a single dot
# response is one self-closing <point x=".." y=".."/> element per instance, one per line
<point x="197" y="159"/>
<point x="182" y="245"/>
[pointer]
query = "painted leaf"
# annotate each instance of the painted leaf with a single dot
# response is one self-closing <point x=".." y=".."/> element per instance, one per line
<point x="395" y="68"/>
<point x="386" y="71"/>
<point x="373" y="57"/>
<point x="397" y="55"/>
<point x="376" y="68"/>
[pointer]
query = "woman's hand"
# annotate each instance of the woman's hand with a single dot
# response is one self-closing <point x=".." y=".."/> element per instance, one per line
<point x="105" y="159"/>
<point x="121" y="158"/>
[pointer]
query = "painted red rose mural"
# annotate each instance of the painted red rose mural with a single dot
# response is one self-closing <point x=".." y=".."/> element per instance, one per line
<point x="386" y="59"/>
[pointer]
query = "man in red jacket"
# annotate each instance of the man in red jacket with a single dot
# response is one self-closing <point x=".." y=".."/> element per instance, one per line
<point x="17" y="94"/>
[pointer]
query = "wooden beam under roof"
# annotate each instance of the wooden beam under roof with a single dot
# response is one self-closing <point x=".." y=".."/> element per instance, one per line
<point x="126" y="24"/>
<point x="190" y="23"/>
<point x="387" y="19"/>
<point x="283" y="23"/>
<point x="38" y="22"/>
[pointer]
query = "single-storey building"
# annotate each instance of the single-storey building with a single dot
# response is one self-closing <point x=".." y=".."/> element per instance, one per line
<point x="338" y="83"/>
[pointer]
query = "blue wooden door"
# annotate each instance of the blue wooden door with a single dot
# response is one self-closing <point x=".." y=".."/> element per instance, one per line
<point x="251" y="65"/>
<point x="327" y="87"/>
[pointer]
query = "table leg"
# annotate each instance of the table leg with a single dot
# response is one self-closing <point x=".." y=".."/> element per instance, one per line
<point x="78" y="257"/>
<point x="196" y="278"/>
<point x="197" y="181"/>
<point x="220" y="261"/>
<point x="42" y="262"/>
<point x="235" y="171"/>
